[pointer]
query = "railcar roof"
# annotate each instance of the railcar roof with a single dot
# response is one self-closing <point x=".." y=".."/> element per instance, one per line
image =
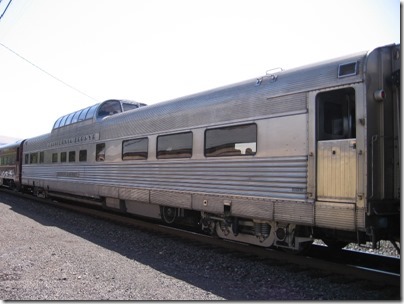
<point x="11" y="145"/>
<point x="243" y="98"/>
<point x="97" y="111"/>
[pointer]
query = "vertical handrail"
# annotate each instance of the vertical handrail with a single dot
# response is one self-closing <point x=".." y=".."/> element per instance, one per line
<point x="374" y="139"/>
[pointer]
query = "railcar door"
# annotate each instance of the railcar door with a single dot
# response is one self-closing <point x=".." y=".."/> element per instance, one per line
<point x="336" y="146"/>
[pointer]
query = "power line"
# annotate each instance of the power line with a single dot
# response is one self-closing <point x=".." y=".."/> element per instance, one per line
<point x="39" y="68"/>
<point x="9" y="2"/>
<point x="49" y="74"/>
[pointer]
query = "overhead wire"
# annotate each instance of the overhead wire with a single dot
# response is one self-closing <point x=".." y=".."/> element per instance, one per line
<point x="47" y="73"/>
<point x="38" y="67"/>
<point x="5" y="10"/>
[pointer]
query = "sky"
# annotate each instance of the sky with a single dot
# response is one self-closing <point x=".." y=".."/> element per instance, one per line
<point x="57" y="57"/>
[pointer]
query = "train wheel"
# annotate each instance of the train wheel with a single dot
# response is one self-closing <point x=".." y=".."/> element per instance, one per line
<point x="168" y="214"/>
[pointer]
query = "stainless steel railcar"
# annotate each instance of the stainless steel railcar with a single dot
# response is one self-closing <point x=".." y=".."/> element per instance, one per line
<point x="312" y="152"/>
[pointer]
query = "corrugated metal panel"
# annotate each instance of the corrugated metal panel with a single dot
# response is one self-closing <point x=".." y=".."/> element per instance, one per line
<point x="275" y="178"/>
<point x="202" y="111"/>
<point x="171" y="198"/>
<point x="335" y="215"/>
<point x="208" y="203"/>
<point x="108" y="191"/>
<point x="246" y="100"/>
<point x="336" y="170"/>
<point x="252" y="208"/>
<point x="36" y="143"/>
<point x="136" y="194"/>
<point x="360" y="218"/>
<point x="292" y="212"/>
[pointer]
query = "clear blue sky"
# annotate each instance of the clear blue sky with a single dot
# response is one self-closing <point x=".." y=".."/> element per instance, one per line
<point x="155" y="50"/>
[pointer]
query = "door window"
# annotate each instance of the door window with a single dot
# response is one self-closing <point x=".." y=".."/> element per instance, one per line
<point x="336" y="114"/>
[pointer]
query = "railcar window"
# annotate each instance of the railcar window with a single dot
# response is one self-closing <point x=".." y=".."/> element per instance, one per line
<point x="109" y="108"/>
<point x="54" y="157"/>
<point x="91" y="111"/>
<point x="33" y="158"/>
<point x="69" y="119"/>
<point x="174" y="146"/>
<point x="8" y="160"/>
<point x="336" y="114"/>
<point x="57" y="123"/>
<point x="83" y="114"/>
<point x="63" y="121"/>
<point x="231" y="141"/>
<point x="26" y="159"/>
<point x="41" y="157"/>
<point x="76" y="116"/>
<point x="63" y="157"/>
<point x="100" y="152"/>
<point x="129" y="106"/>
<point x="135" y="149"/>
<point x="83" y="155"/>
<point x="72" y="156"/>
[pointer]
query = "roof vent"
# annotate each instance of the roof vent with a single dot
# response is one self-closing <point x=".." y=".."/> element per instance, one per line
<point x="347" y="69"/>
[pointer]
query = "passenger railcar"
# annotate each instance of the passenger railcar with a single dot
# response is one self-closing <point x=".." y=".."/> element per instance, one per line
<point x="10" y="165"/>
<point x="279" y="160"/>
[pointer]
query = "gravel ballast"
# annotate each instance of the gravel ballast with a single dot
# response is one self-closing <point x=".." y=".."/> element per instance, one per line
<point x="49" y="253"/>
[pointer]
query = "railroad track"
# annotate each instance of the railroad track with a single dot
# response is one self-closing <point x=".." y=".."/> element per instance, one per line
<point x="348" y="265"/>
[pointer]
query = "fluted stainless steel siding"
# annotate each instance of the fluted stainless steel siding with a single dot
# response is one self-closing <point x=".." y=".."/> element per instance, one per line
<point x="203" y="110"/>
<point x="250" y="187"/>
<point x="276" y="178"/>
